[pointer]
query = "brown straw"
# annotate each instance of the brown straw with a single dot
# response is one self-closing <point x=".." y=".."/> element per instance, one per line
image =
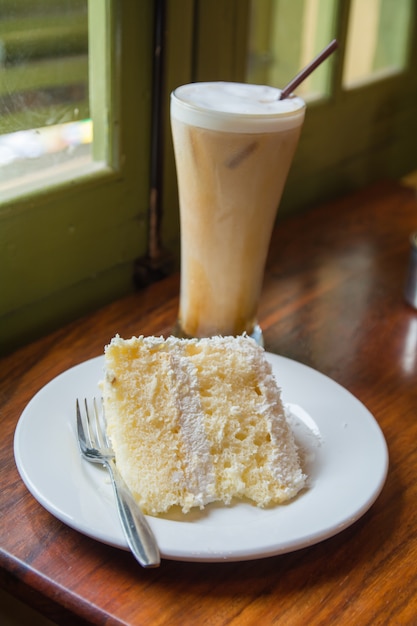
<point x="327" y="51"/>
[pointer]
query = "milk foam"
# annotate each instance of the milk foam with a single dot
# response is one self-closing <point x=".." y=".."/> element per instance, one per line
<point x="236" y="107"/>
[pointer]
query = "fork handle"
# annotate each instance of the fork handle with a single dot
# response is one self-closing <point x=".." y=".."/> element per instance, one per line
<point x="138" y="533"/>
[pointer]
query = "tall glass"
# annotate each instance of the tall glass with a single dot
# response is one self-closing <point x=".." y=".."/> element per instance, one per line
<point x="234" y="144"/>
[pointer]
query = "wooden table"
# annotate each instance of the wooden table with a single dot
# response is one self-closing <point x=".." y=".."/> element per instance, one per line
<point x="333" y="299"/>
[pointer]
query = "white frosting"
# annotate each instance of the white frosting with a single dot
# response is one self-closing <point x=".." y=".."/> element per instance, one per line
<point x="236" y="107"/>
<point x="198" y="466"/>
<point x="284" y="463"/>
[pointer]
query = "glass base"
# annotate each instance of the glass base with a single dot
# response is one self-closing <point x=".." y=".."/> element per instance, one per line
<point x="256" y="334"/>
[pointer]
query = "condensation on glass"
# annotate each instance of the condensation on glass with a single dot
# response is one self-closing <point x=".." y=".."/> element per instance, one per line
<point x="44" y="89"/>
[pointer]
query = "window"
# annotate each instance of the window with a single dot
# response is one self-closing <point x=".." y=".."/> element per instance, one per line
<point x="44" y="92"/>
<point x="69" y="239"/>
<point x="285" y="37"/>
<point x="69" y="243"/>
<point x="378" y="40"/>
<point x="362" y="108"/>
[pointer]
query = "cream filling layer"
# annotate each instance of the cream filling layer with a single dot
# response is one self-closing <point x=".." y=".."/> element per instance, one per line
<point x="198" y="470"/>
<point x="284" y="464"/>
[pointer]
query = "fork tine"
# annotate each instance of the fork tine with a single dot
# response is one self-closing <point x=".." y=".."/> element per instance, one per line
<point x="103" y="424"/>
<point x="100" y="428"/>
<point x="80" y="426"/>
<point x="89" y="427"/>
<point x="85" y="429"/>
<point x="106" y="436"/>
<point x="94" y="426"/>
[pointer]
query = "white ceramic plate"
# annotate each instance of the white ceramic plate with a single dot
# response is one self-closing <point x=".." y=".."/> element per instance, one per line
<point x="342" y="447"/>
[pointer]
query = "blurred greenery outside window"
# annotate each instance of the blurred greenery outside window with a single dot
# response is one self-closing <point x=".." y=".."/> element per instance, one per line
<point x="77" y="75"/>
<point x="44" y="86"/>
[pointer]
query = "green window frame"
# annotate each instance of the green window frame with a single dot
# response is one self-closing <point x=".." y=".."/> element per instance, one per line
<point x="70" y="246"/>
<point x="74" y="246"/>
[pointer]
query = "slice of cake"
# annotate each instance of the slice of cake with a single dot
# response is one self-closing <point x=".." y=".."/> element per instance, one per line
<point x="197" y="421"/>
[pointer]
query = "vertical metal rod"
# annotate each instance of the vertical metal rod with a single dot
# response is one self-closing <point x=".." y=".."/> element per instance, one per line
<point x="157" y="130"/>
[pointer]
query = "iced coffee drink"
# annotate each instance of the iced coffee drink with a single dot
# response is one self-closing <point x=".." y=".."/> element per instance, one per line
<point x="233" y="144"/>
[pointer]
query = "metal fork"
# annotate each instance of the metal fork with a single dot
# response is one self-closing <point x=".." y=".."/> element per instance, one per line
<point x="95" y="447"/>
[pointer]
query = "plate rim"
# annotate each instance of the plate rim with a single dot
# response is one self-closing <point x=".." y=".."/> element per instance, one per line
<point x="184" y="554"/>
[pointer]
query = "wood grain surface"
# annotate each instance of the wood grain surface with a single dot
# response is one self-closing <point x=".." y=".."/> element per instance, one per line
<point x="332" y="299"/>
